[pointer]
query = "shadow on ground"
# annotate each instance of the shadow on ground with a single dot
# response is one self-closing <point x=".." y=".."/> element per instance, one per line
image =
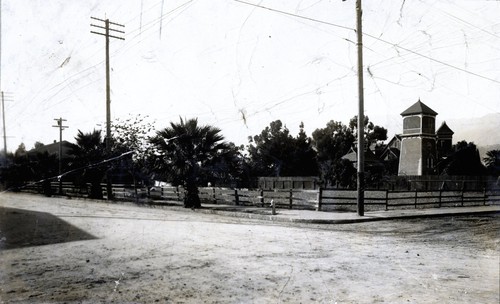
<point x="22" y="228"/>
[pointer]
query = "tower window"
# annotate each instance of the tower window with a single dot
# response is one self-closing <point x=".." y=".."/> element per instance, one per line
<point x="428" y="124"/>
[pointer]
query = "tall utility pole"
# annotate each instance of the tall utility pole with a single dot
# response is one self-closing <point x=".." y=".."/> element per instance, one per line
<point x="3" y="108"/>
<point x="6" y="96"/>
<point x="4" y="130"/>
<point x="361" y="117"/>
<point x="106" y="34"/>
<point x="61" y="128"/>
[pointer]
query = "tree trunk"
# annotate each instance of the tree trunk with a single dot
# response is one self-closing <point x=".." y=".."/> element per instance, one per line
<point x="192" y="199"/>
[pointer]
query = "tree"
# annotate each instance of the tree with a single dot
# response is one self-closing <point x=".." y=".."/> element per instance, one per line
<point x="228" y="168"/>
<point x="492" y="162"/>
<point x="27" y="167"/>
<point x="464" y="160"/>
<point x="331" y="143"/>
<point x="274" y="152"/>
<point x="372" y="134"/>
<point x="304" y="155"/>
<point x="88" y="151"/>
<point x="38" y="145"/>
<point x="18" y="172"/>
<point x="133" y="134"/>
<point x="345" y="173"/>
<point x="183" y="150"/>
<point x="20" y="151"/>
<point x="44" y="166"/>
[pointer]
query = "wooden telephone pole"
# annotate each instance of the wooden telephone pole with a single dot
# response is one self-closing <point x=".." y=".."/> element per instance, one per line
<point x="361" y="117"/>
<point x="4" y="130"/>
<point x="107" y="35"/>
<point x="61" y="128"/>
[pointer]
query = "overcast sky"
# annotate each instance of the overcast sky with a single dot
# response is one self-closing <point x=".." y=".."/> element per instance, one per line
<point x="239" y="67"/>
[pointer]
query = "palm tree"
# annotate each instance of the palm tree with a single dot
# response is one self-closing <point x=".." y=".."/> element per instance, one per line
<point x="88" y="151"/>
<point x="184" y="149"/>
<point x="492" y="161"/>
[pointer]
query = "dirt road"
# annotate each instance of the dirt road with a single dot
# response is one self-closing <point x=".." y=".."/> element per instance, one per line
<point x="73" y="251"/>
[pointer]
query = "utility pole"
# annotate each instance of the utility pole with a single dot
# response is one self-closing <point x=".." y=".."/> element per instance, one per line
<point x="6" y="96"/>
<point x="4" y="131"/>
<point x="3" y="108"/>
<point x="361" y="117"/>
<point x="61" y="128"/>
<point x="107" y="35"/>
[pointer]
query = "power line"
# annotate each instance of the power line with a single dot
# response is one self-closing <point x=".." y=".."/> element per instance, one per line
<point x="295" y="15"/>
<point x="371" y="36"/>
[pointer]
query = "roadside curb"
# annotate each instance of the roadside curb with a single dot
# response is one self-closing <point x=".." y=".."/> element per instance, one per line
<point x="351" y="217"/>
<point x="311" y="217"/>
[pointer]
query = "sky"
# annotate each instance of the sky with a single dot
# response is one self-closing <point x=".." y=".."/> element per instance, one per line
<point x="239" y="66"/>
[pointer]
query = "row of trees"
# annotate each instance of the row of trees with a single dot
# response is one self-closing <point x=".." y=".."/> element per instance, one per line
<point x="189" y="154"/>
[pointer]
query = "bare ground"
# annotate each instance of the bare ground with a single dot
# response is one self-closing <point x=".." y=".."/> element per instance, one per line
<point x="57" y="250"/>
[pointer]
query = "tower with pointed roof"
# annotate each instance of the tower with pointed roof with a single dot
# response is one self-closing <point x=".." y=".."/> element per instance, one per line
<point x="418" y="141"/>
<point x="444" y="137"/>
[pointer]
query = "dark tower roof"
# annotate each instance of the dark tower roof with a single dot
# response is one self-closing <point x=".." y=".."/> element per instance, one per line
<point x="419" y="108"/>
<point x="444" y="129"/>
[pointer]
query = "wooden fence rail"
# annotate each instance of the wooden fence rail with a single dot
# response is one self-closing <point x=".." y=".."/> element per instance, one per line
<point x="319" y="199"/>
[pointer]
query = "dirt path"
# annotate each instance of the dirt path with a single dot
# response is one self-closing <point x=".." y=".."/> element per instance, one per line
<point x="58" y="250"/>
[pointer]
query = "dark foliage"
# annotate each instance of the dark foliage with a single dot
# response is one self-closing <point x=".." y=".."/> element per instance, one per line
<point x="274" y="152"/>
<point x="463" y="160"/>
<point x="186" y="154"/>
<point x="88" y="151"/>
<point x="331" y="143"/>
<point x="492" y="162"/>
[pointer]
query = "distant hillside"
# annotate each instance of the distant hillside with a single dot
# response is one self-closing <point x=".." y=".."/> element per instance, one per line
<point x="483" y="131"/>
<point x="484" y="149"/>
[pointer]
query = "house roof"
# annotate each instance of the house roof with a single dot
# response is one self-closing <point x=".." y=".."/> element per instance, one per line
<point x="53" y="148"/>
<point x="369" y="157"/>
<point x="390" y="149"/>
<point x="395" y="138"/>
<point x="393" y="151"/>
<point x="444" y="129"/>
<point x="419" y="108"/>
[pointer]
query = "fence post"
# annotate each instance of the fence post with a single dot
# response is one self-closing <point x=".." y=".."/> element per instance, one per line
<point x="484" y="196"/>
<point x="386" y="200"/>
<point x="320" y="198"/>
<point x="416" y="198"/>
<point x="262" y="197"/>
<point x="236" y="198"/>
<point x="213" y="195"/>
<point x="440" y="194"/>
<point x="291" y="198"/>
<point x="462" y="197"/>
<point x="178" y="193"/>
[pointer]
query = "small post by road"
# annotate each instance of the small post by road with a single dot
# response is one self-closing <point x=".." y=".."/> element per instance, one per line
<point x="320" y="198"/>
<point x="273" y="207"/>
